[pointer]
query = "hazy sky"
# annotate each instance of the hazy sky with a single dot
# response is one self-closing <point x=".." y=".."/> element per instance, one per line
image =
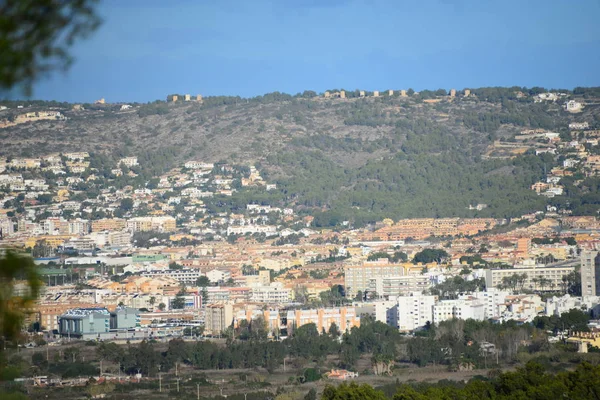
<point x="147" y="49"/>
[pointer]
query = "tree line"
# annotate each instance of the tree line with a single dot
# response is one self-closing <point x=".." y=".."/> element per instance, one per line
<point x="532" y="381"/>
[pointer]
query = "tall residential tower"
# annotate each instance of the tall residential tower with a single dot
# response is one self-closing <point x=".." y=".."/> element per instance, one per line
<point x="590" y="273"/>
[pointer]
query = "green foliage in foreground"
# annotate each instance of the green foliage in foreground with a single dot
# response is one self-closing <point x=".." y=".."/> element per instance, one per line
<point x="530" y="382"/>
<point x="14" y="266"/>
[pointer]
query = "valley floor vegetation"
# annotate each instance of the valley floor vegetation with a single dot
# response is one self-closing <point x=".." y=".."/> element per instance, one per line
<point x="373" y="350"/>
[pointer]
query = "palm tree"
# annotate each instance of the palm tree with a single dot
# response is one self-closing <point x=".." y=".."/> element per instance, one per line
<point x="521" y="280"/>
<point x="565" y="283"/>
<point x="152" y="301"/>
<point x="544" y="282"/>
<point x="535" y="282"/>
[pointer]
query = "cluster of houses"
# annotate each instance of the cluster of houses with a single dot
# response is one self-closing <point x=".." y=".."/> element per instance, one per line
<point x="578" y="158"/>
<point x="147" y="261"/>
<point x="218" y="285"/>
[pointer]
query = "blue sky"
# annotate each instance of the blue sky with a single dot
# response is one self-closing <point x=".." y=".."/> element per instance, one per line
<point x="147" y="49"/>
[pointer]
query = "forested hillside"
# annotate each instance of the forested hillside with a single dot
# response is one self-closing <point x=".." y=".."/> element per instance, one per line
<point x="360" y="158"/>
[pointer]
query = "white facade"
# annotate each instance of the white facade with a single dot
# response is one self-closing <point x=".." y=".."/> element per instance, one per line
<point x="217" y="295"/>
<point x="558" y="305"/>
<point x="198" y="165"/>
<point x="194" y="192"/>
<point x="274" y="293"/>
<point x="81" y="244"/>
<point x="7" y="227"/>
<point x="590" y="273"/>
<point x="217" y="275"/>
<point x="242" y="230"/>
<point x="554" y="275"/>
<point x="119" y="239"/>
<point x="492" y="299"/>
<point x="187" y="276"/>
<point x="129" y="161"/>
<point x="579" y="125"/>
<point x="573" y="106"/>
<point x="79" y="227"/>
<point x="111" y="239"/>
<point x="399" y="285"/>
<point x="471" y="308"/>
<point x="8" y="179"/>
<point x="78" y="156"/>
<point x="358" y="277"/>
<point x="523" y="308"/>
<point x="36" y="184"/>
<point x="385" y="311"/>
<point x="414" y="311"/>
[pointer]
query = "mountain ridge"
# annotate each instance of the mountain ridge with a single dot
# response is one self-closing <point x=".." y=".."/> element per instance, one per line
<point x="370" y="157"/>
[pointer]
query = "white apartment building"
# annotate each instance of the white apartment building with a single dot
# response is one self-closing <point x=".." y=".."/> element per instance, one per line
<point x="579" y="125"/>
<point x="78" y="156"/>
<point x="129" y="161"/>
<point x="217" y="295"/>
<point x="218" y="275"/>
<point x="554" y="275"/>
<point x="28" y="163"/>
<point x="194" y="192"/>
<point x="198" y="165"/>
<point x="36" y="184"/>
<point x="274" y="293"/>
<point x="523" y="308"/>
<point x="190" y="302"/>
<point x="573" y="106"/>
<point x="9" y="179"/>
<point x="590" y="273"/>
<point x="81" y="244"/>
<point x="260" y="209"/>
<point x="100" y="238"/>
<point x="358" y="277"/>
<point x="493" y="300"/>
<point x="217" y="318"/>
<point x="268" y="230"/>
<point x="558" y="305"/>
<point x="7" y="227"/>
<point x="398" y="285"/>
<point x="385" y="311"/>
<point x="263" y="278"/>
<point x="414" y="311"/>
<point x="161" y="224"/>
<point x="79" y="227"/>
<point x="471" y="308"/>
<point x="187" y="276"/>
<point x="119" y="239"/>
